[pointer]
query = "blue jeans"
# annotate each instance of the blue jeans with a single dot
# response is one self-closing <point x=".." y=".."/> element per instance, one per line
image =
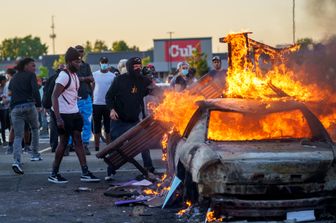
<point x="118" y="128"/>
<point x="20" y="114"/>
<point x="85" y="108"/>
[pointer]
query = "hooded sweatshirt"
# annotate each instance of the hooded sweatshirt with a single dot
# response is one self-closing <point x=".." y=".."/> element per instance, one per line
<point x="126" y="93"/>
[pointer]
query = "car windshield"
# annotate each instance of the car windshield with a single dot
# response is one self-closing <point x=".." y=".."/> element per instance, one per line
<point x="235" y="126"/>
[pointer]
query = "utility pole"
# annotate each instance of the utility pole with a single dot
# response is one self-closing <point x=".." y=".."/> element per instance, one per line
<point x="293" y="21"/>
<point x="169" y="56"/>
<point x="53" y="35"/>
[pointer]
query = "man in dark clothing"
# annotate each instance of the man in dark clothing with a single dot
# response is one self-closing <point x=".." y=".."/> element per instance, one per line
<point x="85" y="98"/>
<point x="25" y="96"/>
<point x="125" y="100"/>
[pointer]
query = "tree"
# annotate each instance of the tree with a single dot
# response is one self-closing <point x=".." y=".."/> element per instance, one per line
<point x="121" y="45"/>
<point x="87" y="47"/>
<point x="99" y="46"/>
<point x="27" y="46"/>
<point x="146" y="60"/>
<point x="305" y="43"/>
<point x="43" y="72"/>
<point x="58" y="62"/>
<point x="198" y="61"/>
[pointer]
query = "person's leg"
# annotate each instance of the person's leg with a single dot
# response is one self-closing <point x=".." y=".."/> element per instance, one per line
<point x="97" y="119"/>
<point x="85" y="108"/>
<point x="53" y="133"/>
<point x="26" y="138"/>
<point x="32" y="120"/>
<point x="3" y="125"/>
<point x="18" y="126"/>
<point x="106" y="121"/>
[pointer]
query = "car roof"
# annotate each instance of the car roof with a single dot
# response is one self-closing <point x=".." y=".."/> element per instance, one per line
<point x="251" y="105"/>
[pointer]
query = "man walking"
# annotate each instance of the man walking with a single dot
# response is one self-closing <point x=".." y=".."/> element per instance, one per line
<point x="85" y="99"/>
<point x="66" y="115"/>
<point x="25" y="97"/>
<point x="125" y="101"/>
<point x="103" y="79"/>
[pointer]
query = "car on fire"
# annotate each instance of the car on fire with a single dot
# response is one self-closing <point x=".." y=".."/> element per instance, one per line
<point x="254" y="158"/>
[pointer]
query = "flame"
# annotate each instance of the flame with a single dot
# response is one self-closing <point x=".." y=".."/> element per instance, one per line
<point x="210" y="217"/>
<point x="233" y="126"/>
<point x="176" y="109"/>
<point x="159" y="189"/>
<point x="183" y="211"/>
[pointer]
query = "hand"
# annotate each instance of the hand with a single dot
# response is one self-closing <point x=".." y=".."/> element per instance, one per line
<point x="60" y="123"/>
<point x="114" y="115"/>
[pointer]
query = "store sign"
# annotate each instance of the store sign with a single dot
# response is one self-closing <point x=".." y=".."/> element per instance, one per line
<point x="179" y="50"/>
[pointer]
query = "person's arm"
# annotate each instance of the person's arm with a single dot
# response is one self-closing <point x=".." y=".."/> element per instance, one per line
<point x="88" y="78"/>
<point x="36" y="93"/>
<point x="58" y="90"/>
<point x="110" y="99"/>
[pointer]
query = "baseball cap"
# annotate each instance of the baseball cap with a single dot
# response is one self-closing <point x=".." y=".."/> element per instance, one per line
<point x="103" y="60"/>
<point x="216" y="58"/>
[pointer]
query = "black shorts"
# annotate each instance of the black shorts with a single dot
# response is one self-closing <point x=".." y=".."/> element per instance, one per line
<point x="72" y="122"/>
<point x="101" y="113"/>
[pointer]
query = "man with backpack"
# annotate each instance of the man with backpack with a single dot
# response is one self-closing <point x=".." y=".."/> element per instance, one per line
<point x="69" y="120"/>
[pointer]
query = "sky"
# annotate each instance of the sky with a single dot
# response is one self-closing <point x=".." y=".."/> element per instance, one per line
<point x="139" y="22"/>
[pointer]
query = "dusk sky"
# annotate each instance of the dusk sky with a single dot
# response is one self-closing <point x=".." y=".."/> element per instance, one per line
<point x="139" y="22"/>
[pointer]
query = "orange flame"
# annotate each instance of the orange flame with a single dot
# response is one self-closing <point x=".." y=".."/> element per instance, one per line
<point x="210" y="217"/>
<point x="183" y="211"/>
<point x="236" y="126"/>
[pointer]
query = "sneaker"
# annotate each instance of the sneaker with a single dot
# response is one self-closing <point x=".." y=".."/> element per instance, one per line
<point x="17" y="168"/>
<point x="57" y="179"/>
<point x="89" y="177"/>
<point x="86" y="149"/>
<point x="108" y="178"/>
<point x="36" y="158"/>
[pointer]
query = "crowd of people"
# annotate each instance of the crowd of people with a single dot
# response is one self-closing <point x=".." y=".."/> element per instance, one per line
<point x="79" y="103"/>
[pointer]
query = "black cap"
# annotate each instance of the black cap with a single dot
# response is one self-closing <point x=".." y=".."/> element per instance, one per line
<point x="216" y="58"/>
<point x="71" y="55"/>
<point x="103" y="60"/>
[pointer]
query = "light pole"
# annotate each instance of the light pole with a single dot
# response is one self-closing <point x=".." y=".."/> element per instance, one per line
<point x="293" y="21"/>
<point x="169" y="56"/>
<point x="53" y="35"/>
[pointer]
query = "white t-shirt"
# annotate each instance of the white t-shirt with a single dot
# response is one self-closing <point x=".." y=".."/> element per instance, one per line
<point x="67" y="101"/>
<point x="103" y="82"/>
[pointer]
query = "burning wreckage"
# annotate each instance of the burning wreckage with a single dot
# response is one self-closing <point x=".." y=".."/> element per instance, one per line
<point x="247" y="143"/>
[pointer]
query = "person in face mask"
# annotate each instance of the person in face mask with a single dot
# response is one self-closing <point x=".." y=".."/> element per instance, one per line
<point x="125" y="100"/>
<point x="67" y="117"/>
<point x="180" y="80"/>
<point x="103" y="79"/>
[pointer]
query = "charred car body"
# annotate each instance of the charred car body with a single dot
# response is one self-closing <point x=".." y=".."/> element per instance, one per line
<point x="255" y="158"/>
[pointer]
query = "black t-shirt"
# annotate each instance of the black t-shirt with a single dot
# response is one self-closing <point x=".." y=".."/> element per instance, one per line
<point x="84" y="88"/>
<point x="126" y="95"/>
<point x="24" y="89"/>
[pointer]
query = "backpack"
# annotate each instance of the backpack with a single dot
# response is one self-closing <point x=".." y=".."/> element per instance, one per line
<point x="49" y="88"/>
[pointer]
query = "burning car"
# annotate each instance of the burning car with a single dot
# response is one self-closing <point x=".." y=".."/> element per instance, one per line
<point x="255" y="158"/>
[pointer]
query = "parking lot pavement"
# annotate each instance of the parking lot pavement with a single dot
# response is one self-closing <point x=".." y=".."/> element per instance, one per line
<point x="31" y="198"/>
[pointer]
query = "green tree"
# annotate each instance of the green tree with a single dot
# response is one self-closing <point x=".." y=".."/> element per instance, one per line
<point x="88" y="47"/>
<point x="58" y="62"/>
<point x="198" y="61"/>
<point x="99" y="46"/>
<point x="121" y="45"/>
<point x="146" y="60"/>
<point x="43" y="72"/>
<point x="27" y="46"/>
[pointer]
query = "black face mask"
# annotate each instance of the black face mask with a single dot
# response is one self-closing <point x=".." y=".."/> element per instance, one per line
<point x="72" y="68"/>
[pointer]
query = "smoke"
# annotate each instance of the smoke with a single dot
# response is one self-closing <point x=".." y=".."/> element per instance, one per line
<point x="323" y="13"/>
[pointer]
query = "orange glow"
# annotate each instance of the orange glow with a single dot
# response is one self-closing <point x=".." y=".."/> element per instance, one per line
<point x="232" y="126"/>
<point x="183" y="211"/>
<point x="210" y="216"/>
<point x="176" y="109"/>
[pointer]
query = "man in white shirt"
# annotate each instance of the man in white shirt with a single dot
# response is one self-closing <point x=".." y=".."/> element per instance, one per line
<point x="103" y="79"/>
<point x="67" y="117"/>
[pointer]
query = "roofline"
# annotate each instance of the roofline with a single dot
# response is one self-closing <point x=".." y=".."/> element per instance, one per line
<point x="196" y="38"/>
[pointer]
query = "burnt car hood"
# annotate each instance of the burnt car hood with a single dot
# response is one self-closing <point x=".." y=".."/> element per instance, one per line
<point x="258" y="162"/>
